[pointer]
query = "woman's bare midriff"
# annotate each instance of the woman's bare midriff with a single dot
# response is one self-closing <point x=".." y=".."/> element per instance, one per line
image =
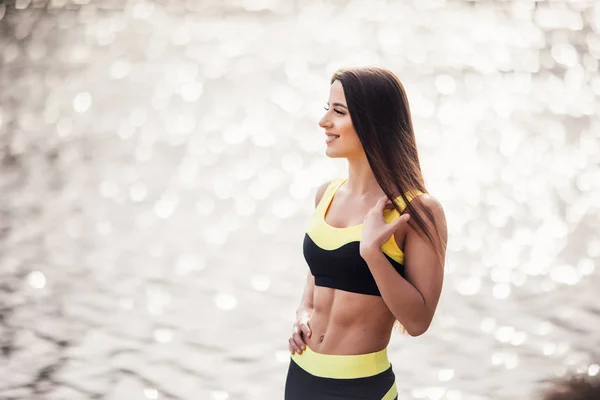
<point x="348" y="323"/>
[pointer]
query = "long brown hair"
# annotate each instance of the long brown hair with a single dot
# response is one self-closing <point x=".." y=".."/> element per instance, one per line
<point x="380" y="113"/>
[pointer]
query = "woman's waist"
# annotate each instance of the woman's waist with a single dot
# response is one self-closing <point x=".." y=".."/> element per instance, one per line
<point x="342" y="366"/>
<point x="362" y="336"/>
<point x="349" y="310"/>
<point x="348" y="315"/>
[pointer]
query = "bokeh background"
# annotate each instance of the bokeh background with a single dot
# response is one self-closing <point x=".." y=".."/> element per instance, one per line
<point x="159" y="162"/>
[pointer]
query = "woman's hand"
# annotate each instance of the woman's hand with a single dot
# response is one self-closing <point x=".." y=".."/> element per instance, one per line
<point x="375" y="231"/>
<point x="301" y="331"/>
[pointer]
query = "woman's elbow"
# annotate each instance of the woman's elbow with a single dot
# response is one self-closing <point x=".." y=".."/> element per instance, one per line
<point x="418" y="329"/>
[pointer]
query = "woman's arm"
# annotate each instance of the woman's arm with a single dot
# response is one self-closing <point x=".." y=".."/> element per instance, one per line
<point x="306" y="303"/>
<point x="413" y="300"/>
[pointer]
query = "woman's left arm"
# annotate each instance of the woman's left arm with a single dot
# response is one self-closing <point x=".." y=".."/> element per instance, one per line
<point x="413" y="300"/>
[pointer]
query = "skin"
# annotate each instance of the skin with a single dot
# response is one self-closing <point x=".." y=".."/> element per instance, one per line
<point x="327" y="318"/>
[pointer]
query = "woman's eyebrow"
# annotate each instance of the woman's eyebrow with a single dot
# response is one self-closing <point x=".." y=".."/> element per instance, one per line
<point x="339" y="104"/>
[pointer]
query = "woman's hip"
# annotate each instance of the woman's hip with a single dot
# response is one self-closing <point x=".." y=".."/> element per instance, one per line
<point x="319" y="376"/>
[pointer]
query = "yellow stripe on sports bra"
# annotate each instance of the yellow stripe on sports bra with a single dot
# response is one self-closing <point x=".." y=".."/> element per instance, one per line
<point x="330" y="237"/>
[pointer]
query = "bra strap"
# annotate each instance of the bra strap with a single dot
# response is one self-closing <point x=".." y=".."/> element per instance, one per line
<point x="329" y="192"/>
<point x="409" y="196"/>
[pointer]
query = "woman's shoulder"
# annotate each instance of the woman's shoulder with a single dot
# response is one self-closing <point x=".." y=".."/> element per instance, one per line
<point x="324" y="187"/>
<point x="433" y="206"/>
<point x="428" y="200"/>
<point x="421" y="200"/>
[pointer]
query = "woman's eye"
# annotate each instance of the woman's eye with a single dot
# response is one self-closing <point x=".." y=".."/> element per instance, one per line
<point x="337" y="111"/>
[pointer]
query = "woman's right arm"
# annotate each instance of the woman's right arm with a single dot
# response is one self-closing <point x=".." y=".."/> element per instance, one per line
<point x="306" y="307"/>
<point x="306" y="303"/>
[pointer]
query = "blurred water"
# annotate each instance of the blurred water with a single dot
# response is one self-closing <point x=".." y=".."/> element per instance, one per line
<point x="159" y="163"/>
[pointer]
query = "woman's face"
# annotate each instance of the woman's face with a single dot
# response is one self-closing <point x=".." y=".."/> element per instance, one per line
<point x="337" y="121"/>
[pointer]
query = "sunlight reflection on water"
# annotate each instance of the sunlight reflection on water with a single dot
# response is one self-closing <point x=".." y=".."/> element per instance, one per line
<point x="159" y="168"/>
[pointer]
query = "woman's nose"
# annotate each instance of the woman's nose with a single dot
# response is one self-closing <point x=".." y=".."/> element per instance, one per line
<point x="324" y="122"/>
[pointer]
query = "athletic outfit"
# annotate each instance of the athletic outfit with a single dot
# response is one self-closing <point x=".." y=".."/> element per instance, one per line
<point x="333" y="257"/>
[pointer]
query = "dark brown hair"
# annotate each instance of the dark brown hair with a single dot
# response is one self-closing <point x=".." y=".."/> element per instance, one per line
<point x="380" y="114"/>
<point x="574" y="387"/>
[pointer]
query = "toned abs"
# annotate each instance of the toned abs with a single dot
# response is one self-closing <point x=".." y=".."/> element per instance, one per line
<point x="348" y="323"/>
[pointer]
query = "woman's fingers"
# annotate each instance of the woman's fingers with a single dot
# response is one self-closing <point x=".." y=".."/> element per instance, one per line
<point x="295" y="347"/>
<point x="305" y="329"/>
<point x="299" y="342"/>
<point x="292" y="346"/>
<point x="402" y="219"/>
<point x="383" y="202"/>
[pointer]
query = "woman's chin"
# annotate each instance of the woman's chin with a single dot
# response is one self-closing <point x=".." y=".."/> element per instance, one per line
<point x="332" y="153"/>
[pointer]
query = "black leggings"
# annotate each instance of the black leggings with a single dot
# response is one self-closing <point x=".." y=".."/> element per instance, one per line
<point x="316" y="376"/>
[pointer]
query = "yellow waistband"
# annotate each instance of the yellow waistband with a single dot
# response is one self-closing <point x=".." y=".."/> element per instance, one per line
<point x="342" y="366"/>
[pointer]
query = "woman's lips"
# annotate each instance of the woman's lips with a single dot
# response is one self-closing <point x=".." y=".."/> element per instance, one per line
<point x="330" y="138"/>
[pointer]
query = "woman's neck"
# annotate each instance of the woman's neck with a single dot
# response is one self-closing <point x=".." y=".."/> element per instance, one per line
<point x="361" y="180"/>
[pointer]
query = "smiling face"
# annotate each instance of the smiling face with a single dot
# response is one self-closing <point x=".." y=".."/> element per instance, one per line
<point x="337" y="121"/>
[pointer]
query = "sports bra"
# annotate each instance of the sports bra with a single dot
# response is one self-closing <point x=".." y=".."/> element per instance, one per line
<point x="333" y="254"/>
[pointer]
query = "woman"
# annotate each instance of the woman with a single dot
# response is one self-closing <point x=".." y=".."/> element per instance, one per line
<point x="373" y="262"/>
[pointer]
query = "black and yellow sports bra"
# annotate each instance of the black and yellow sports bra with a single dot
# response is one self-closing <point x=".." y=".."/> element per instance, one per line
<point x="333" y="254"/>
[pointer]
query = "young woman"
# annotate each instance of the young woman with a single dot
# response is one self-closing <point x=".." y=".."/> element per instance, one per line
<point x="373" y="262"/>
